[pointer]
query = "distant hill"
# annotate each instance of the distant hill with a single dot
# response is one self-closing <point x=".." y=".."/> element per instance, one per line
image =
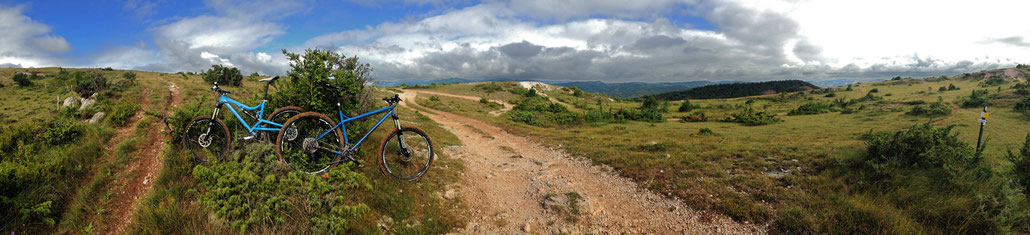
<point x="718" y="91"/>
<point x="425" y="82"/>
<point x="634" y="89"/>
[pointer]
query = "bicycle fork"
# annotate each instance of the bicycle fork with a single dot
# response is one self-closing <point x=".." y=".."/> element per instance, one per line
<point x="403" y="151"/>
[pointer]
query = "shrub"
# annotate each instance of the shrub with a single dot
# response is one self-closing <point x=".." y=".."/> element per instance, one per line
<point x="577" y="92"/>
<point x="935" y="178"/>
<point x="952" y="87"/>
<point x="262" y="192"/>
<point x="874" y="90"/>
<point x="749" y="117"/>
<point x="38" y="165"/>
<point x="120" y="114"/>
<point x="650" y="103"/>
<point x="87" y="84"/>
<point x="1023" y="105"/>
<point x="686" y="106"/>
<point x="831" y="94"/>
<point x="1021" y="165"/>
<point x="183" y="115"/>
<point x="942" y="89"/>
<point x="305" y="86"/>
<point x="849" y="88"/>
<point x="978" y="98"/>
<point x="21" y="79"/>
<point x="566" y="118"/>
<point x="705" y="131"/>
<point x="525" y="117"/>
<point x="993" y="81"/>
<point x="224" y="75"/>
<point x="811" y="108"/>
<point x="490" y="87"/>
<point x="936" y="109"/>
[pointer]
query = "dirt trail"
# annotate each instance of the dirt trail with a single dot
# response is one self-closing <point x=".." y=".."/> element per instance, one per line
<point x="139" y="175"/>
<point x="505" y="105"/>
<point x="509" y="179"/>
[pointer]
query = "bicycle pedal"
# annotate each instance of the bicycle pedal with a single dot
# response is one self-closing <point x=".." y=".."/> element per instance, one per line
<point x="248" y="137"/>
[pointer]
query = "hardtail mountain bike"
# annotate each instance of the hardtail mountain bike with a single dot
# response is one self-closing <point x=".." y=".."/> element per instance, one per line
<point x="313" y="143"/>
<point x="207" y="138"/>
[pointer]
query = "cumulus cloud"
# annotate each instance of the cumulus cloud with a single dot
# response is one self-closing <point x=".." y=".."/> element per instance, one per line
<point x="226" y="37"/>
<point x="27" y="43"/>
<point x="630" y="41"/>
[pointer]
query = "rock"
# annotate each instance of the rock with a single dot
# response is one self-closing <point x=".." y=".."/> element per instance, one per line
<point x="526" y="228"/>
<point x="97" y="117"/>
<point x="70" y="102"/>
<point x="450" y="194"/>
<point x="86" y="103"/>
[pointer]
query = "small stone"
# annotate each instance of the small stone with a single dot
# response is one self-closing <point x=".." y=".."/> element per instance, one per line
<point x="97" y="117"/>
<point x="70" y="102"/>
<point x="450" y="194"/>
<point x="86" y="103"/>
<point x="526" y="228"/>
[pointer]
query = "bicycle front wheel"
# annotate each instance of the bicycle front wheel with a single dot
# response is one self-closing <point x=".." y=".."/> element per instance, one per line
<point x="206" y="139"/>
<point x="406" y="154"/>
<point x="280" y="116"/>
<point x="312" y="145"/>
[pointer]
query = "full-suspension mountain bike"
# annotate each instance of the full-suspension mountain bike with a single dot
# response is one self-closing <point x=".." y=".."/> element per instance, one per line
<point x="313" y="143"/>
<point x="207" y="138"/>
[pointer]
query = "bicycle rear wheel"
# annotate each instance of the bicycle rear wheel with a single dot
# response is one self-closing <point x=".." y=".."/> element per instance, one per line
<point x="305" y="151"/>
<point x="406" y="154"/>
<point x="206" y="139"/>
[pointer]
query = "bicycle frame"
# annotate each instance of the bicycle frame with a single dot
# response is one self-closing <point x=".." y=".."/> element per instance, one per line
<point x="229" y="102"/>
<point x="344" y="119"/>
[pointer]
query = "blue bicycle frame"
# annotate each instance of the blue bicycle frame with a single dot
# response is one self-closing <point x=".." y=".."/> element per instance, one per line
<point x="344" y="119"/>
<point x="229" y="102"/>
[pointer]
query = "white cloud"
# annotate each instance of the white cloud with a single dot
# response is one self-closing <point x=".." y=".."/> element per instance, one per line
<point x="27" y="43"/>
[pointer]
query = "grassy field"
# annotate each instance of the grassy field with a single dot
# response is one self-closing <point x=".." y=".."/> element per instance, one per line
<point x="792" y="171"/>
<point x="361" y="200"/>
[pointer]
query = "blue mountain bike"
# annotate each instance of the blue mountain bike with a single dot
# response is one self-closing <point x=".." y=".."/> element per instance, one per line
<point x="207" y="138"/>
<point x="313" y="143"/>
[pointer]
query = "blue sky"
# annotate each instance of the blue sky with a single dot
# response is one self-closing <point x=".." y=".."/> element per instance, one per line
<point x="608" y="40"/>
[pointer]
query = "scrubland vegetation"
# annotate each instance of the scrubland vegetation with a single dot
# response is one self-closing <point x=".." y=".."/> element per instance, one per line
<point x="883" y="157"/>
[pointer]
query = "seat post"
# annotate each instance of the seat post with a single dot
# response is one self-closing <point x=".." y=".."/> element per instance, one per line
<point x="266" y="91"/>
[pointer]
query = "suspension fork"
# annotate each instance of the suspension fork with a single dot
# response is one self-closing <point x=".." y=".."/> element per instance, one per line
<point x="400" y="137"/>
<point x="214" y="115"/>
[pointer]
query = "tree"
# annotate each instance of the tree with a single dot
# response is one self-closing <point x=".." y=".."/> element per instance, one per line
<point x="686" y="106"/>
<point x="309" y="72"/>
<point x="21" y="79"/>
<point x="224" y="75"/>
<point x="87" y="84"/>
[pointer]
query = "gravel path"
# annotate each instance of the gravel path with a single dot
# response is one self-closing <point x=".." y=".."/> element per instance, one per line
<point x="512" y="184"/>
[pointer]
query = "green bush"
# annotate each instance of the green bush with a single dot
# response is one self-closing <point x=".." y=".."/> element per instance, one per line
<point x="936" y="109"/>
<point x="184" y="114"/>
<point x="811" y="108"/>
<point x="749" y="117"/>
<point x="224" y="75"/>
<point x="935" y="179"/>
<point x="262" y="192"/>
<point x="686" y="106"/>
<point x="305" y="86"/>
<point x="38" y="167"/>
<point x="1023" y="105"/>
<point x="526" y="117"/>
<point x="489" y="87"/>
<point x="21" y="79"/>
<point x="978" y="98"/>
<point x="993" y="81"/>
<point x="120" y="114"/>
<point x="87" y="84"/>
<point x="1021" y="165"/>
